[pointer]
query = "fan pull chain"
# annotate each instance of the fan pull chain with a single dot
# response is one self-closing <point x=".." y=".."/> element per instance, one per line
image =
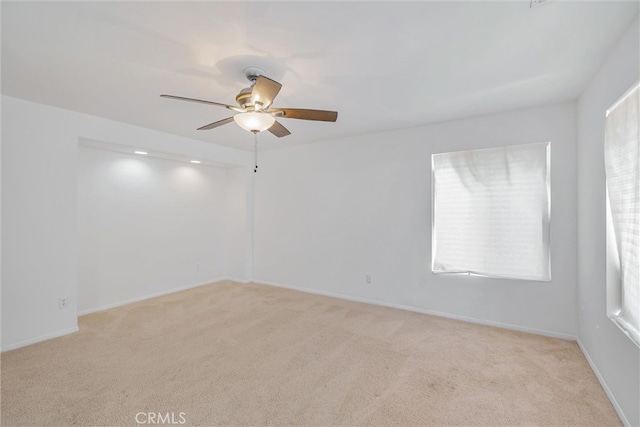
<point x="255" y="134"/>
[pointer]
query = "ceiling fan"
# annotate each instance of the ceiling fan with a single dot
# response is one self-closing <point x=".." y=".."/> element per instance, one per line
<point x="255" y="112"/>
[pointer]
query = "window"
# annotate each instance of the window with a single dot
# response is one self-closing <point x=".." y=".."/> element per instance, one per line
<point x="491" y="212"/>
<point x="622" y="165"/>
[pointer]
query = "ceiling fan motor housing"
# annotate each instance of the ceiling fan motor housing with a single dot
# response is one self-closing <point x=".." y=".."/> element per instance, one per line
<point x="244" y="97"/>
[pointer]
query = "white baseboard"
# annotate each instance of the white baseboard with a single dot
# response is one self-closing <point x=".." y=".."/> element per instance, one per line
<point x="422" y="310"/>
<point x="608" y="392"/>
<point x="146" y="297"/>
<point x="41" y="338"/>
<point x="232" y="279"/>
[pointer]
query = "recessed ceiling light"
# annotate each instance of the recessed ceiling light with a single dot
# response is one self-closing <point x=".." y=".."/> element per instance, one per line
<point x="144" y="153"/>
<point x="196" y="161"/>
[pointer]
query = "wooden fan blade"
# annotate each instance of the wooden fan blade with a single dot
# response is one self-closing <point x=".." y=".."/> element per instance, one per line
<point x="304" y="114"/>
<point x="202" y="101"/>
<point x="278" y="130"/>
<point x="264" y="91"/>
<point x="216" y="124"/>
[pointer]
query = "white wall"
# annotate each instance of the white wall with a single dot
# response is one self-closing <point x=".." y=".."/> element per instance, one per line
<point x="1" y="194"/>
<point x="39" y="250"/>
<point x="328" y="214"/>
<point x="614" y="356"/>
<point x="146" y="226"/>
<point x="239" y="223"/>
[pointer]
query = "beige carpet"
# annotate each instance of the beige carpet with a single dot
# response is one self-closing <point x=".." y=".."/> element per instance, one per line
<point x="232" y="354"/>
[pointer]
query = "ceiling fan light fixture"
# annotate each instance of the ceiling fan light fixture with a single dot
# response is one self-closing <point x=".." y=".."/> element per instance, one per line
<point x="253" y="121"/>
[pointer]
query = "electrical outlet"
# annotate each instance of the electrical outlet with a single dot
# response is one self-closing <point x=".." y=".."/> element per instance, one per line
<point x="63" y="303"/>
<point x="367" y="279"/>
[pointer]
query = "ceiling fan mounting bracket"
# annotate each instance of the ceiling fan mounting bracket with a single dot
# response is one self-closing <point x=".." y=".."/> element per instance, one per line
<point x="252" y="73"/>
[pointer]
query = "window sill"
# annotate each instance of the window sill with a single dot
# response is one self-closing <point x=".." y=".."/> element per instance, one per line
<point x="623" y="326"/>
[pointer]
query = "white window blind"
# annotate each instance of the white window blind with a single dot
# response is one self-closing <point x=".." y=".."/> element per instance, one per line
<point x="622" y="163"/>
<point x="491" y="212"/>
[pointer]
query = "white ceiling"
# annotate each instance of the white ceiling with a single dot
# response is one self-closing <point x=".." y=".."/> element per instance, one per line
<point x="381" y="65"/>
